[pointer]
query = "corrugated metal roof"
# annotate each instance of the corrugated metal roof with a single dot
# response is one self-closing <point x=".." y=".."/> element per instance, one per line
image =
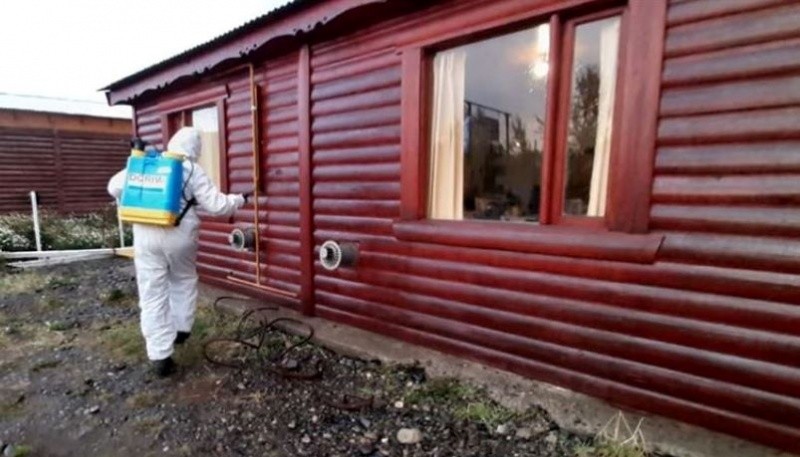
<point x="273" y="15"/>
<point x="62" y="106"/>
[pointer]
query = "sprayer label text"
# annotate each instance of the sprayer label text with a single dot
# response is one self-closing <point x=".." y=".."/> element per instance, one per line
<point x="147" y="181"/>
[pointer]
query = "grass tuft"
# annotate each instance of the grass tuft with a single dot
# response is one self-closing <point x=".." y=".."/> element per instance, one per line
<point x="616" y="439"/>
<point x="115" y="296"/>
<point x="142" y="400"/>
<point x="43" y="365"/>
<point x="11" y="410"/>
<point x="58" y="326"/>
<point x="207" y="324"/>
<point x="52" y="303"/>
<point x="488" y="413"/>
<point x="22" y="282"/>
<point x="125" y="341"/>
<point x="21" y="451"/>
<point x="63" y="281"/>
<point x="466" y="402"/>
<point x="608" y="448"/>
<point x="16" y="336"/>
<point x="441" y="391"/>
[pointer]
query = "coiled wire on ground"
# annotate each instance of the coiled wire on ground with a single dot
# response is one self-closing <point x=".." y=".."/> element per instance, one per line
<point x="251" y="335"/>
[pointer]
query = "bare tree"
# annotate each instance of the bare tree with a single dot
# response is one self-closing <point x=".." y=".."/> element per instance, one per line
<point x="519" y="136"/>
<point x="583" y="115"/>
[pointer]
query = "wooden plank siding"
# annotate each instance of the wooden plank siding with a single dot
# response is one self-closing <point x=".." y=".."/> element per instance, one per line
<point x="608" y="328"/>
<point x="68" y="169"/>
<point x="694" y="317"/>
<point x="276" y="83"/>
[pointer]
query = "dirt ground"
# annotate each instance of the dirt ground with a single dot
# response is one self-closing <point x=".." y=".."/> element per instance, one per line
<point x="74" y="382"/>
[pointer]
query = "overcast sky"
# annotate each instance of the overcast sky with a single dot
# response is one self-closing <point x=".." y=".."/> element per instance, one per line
<point x="72" y="48"/>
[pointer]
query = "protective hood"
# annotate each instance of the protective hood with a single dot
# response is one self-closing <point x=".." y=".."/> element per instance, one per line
<point x="187" y="142"/>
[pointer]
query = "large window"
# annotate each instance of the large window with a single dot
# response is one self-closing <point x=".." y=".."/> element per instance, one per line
<point x="490" y="118"/>
<point x="487" y="128"/>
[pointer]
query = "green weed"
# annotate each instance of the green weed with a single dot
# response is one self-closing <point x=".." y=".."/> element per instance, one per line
<point x="56" y="282"/>
<point x="118" y="297"/>
<point x="487" y="413"/>
<point x="439" y="391"/>
<point x="115" y="295"/>
<point x="58" y="326"/>
<point x="21" y="451"/>
<point x="466" y="402"/>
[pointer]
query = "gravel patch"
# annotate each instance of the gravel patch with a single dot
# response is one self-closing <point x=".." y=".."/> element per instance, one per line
<point x="74" y="382"/>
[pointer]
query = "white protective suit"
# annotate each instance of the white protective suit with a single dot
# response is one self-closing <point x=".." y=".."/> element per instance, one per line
<point x="165" y="257"/>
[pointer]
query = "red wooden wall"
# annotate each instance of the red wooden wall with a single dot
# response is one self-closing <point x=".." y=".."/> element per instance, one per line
<point x="703" y="326"/>
<point x="280" y="175"/>
<point x="278" y="190"/>
<point x="69" y="170"/>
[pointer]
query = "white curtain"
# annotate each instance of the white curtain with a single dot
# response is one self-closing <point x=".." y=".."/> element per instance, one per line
<point x="207" y="121"/>
<point x="446" y="176"/>
<point x="209" y="156"/>
<point x="609" y="45"/>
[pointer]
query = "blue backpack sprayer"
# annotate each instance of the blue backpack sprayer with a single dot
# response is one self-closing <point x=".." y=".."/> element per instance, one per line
<point x="154" y="187"/>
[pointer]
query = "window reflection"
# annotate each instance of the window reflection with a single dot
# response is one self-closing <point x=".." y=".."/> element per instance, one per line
<point x="487" y="128"/>
<point x="594" y="76"/>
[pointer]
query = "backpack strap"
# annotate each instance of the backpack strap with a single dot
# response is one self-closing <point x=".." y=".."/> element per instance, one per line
<point x="189" y="202"/>
<point x="186" y="209"/>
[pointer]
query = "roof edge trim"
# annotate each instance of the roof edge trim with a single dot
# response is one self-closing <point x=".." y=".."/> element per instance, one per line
<point x="305" y="16"/>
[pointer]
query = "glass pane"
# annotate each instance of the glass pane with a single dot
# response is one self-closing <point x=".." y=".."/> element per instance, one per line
<point x="594" y="77"/>
<point x="487" y="128"/>
<point x="207" y="121"/>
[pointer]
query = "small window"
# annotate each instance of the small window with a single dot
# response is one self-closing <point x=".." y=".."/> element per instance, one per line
<point x="489" y="116"/>
<point x="206" y="120"/>
<point x="592" y="90"/>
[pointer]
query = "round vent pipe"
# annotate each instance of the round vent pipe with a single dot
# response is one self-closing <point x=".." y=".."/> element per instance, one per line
<point x="242" y="239"/>
<point x="333" y="255"/>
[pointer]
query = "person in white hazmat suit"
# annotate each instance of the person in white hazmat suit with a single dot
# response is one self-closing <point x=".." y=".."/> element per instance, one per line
<point x="165" y="257"/>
